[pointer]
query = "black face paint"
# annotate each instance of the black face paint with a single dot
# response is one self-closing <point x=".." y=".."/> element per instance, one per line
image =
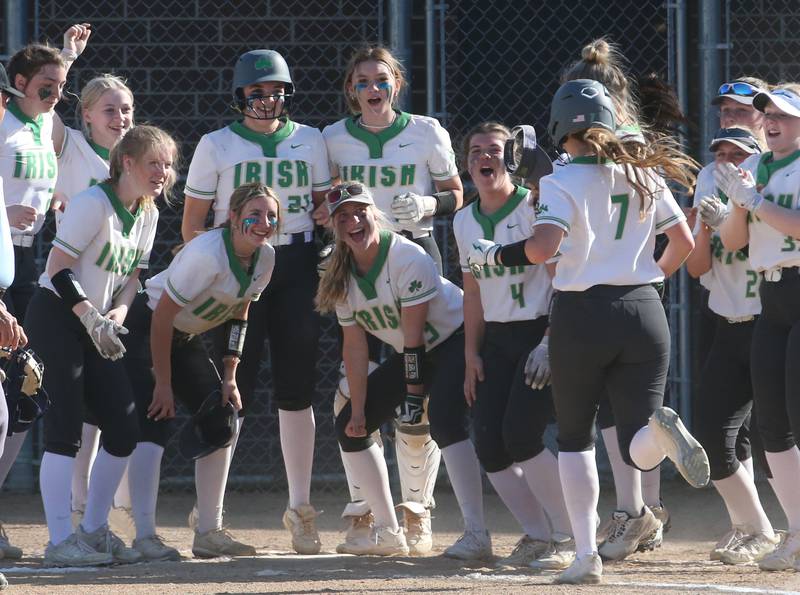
<point x="44" y="93"/>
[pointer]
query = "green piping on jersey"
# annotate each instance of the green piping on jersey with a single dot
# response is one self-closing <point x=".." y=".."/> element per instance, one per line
<point x="101" y="151"/>
<point x="367" y="283"/>
<point x="488" y="222"/>
<point x="128" y="219"/>
<point x="376" y="140"/>
<point x="590" y="160"/>
<point x="767" y="167"/>
<point x="268" y="142"/>
<point x="34" y="125"/>
<point x="242" y="276"/>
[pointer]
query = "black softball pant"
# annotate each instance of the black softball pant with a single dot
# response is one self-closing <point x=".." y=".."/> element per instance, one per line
<point x="774" y="358"/>
<point x="286" y="316"/>
<point x="607" y="339"/>
<point x="77" y="376"/>
<point x="386" y="389"/>
<point x="26" y="275"/>
<point x="194" y="375"/>
<point x="509" y="418"/>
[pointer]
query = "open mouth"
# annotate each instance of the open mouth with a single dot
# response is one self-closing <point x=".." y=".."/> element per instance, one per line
<point x="357" y="235"/>
<point x="773" y="133"/>
<point x="486" y="172"/>
<point x="374" y="101"/>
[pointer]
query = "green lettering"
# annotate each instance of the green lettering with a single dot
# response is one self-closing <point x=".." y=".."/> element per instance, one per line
<point x="622" y="200"/>
<point x="103" y="254"/>
<point x="432" y="333"/>
<point x="391" y="317"/>
<point x="517" y="294"/>
<point x="785" y="201"/>
<point x="366" y="320"/>
<point x="302" y="173"/>
<point x="202" y="307"/>
<point x="30" y="165"/>
<point x="752" y="281"/>
<point x="19" y="163"/>
<point x="388" y="176"/>
<point x="252" y="172"/>
<point x="52" y="168"/>
<point x="285" y="174"/>
<point x="407" y="174"/>
<point x="215" y="312"/>
<point x="237" y="175"/>
<point x="379" y="316"/>
<point x="357" y="173"/>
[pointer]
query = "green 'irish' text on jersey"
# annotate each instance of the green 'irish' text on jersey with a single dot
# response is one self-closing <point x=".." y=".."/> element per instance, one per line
<point x="607" y="242"/>
<point x="81" y="164"/>
<point x="28" y="164"/>
<point x="408" y="156"/>
<point x="403" y="275"/>
<point x="292" y="161"/>
<point x="778" y="182"/>
<point x="108" y="240"/>
<point x="507" y="293"/>
<point x="732" y="283"/>
<point x="209" y="282"/>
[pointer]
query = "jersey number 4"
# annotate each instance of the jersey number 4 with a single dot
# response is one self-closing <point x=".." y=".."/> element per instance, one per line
<point x="622" y="201"/>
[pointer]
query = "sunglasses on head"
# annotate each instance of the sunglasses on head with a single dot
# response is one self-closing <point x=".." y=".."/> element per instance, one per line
<point x="738" y="88"/>
<point x="342" y="192"/>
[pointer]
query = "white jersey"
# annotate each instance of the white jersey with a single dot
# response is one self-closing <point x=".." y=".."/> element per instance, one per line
<point x="507" y="293"/>
<point x="732" y="283"/>
<point x="403" y="275"/>
<point x="292" y="161"/>
<point x="778" y="182"/>
<point x="28" y="164"/>
<point x="81" y="164"/>
<point x="6" y="247"/>
<point x="210" y="283"/>
<point x="108" y="240"/>
<point x="608" y="244"/>
<point x="408" y="156"/>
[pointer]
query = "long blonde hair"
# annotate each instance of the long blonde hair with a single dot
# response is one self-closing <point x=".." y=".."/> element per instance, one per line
<point x="335" y="280"/>
<point x="378" y="54"/>
<point x="244" y="194"/>
<point x="93" y="91"/>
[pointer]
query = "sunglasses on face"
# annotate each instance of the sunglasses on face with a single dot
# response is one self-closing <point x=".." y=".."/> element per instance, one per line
<point x="342" y="192"/>
<point x="741" y="89"/>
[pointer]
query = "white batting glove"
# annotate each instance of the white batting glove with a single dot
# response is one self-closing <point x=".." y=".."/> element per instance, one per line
<point x="738" y="185"/>
<point x="104" y="333"/>
<point x="410" y="208"/>
<point x="712" y="211"/>
<point x="324" y="256"/>
<point x="537" y="368"/>
<point x="483" y="252"/>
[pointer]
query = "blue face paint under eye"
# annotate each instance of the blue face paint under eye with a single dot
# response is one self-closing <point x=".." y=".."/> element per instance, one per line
<point x="361" y="87"/>
<point x="273" y="221"/>
<point x="247" y="222"/>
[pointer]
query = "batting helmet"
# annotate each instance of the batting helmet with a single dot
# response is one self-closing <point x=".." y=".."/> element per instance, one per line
<point x="260" y="66"/>
<point x="22" y="373"/>
<point x="578" y="105"/>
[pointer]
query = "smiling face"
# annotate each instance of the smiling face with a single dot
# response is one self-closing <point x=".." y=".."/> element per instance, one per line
<point x="43" y="90"/>
<point x="374" y="86"/>
<point x="265" y="100"/>
<point x="485" y="161"/>
<point x="733" y="114"/>
<point x="110" y="117"/>
<point x="355" y="226"/>
<point x="782" y="131"/>
<point x="726" y="152"/>
<point x="257" y="220"/>
<point x="150" y="172"/>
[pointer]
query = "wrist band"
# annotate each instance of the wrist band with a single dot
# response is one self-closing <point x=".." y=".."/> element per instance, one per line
<point x="512" y="255"/>
<point x="414" y="360"/>
<point x="445" y="202"/>
<point x="235" y="331"/>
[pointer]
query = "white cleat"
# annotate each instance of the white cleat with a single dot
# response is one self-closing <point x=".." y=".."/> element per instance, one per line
<point x="727" y="541"/>
<point x="628" y="533"/>
<point x="752" y="548"/>
<point x="73" y="553"/>
<point x="301" y="523"/>
<point x="472" y="545"/>
<point x="680" y="446"/>
<point x="526" y="551"/>
<point x="785" y="555"/>
<point x="219" y="542"/>
<point x="382" y="541"/>
<point x="358" y="534"/>
<point x="559" y="555"/>
<point x="419" y="536"/>
<point x="587" y="570"/>
<point x="104" y="540"/>
<point x="153" y="549"/>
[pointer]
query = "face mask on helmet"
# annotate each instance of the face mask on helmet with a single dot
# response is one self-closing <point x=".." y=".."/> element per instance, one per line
<point x="263" y="106"/>
<point x="262" y="102"/>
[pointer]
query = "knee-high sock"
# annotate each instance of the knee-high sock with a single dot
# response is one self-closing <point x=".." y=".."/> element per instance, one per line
<point x="627" y="479"/>
<point x="741" y="498"/>
<point x="122" y="498"/>
<point x="644" y="449"/>
<point x="541" y="473"/>
<point x="651" y="487"/>
<point x="55" y="476"/>
<point x="369" y="470"/>
<point x="107" y="472"/>
<point x="464" y="472"/>
<point x="297" y="443"/>
<point x="581" y="486"/>
<point x="144" y="469"/>
<point x="785" y="467"/>
<point x="513" y="490"/>
<point x="90" y="440"/>
<point x="211" y="477"/>
<point x="12" y="447"/>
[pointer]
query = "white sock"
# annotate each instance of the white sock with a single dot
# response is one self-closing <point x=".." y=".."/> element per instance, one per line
<point x="741" y="498"/>
<point x="144" y="470"/>
<point x="90" y="440"/>
<point x="297" y="444"/>
<point x="581" y="487"/>
<point x="785" y="467"/>
<point x="352" y="486"/>
<point x="464" y="472"/>
<point x="369" y="470"/>
<point x="10" y="451"/>
<point x="106" y="474"/>
<point x="122" y="498"/>
<point x="627" y="479"/>
<point x="513" y="490"/>
<point x="651" y="487"/>
<point x="211" y="477"/>
<point x="748" y="465"/>
<point x="55" y="476"/>
<point x="644" y="449"/>
<point x="541" y="473"/>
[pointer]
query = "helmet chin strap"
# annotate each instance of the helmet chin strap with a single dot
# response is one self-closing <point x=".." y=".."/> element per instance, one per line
<point x="249" y="110"/>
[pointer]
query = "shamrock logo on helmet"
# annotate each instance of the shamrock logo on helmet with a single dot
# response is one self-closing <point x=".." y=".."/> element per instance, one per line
<point x="263" y="63"/>
<point x="414" y="287"/>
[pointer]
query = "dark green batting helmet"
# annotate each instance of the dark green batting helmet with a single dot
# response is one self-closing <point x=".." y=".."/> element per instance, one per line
<point x="578" y="105"/>
<point x="261" y="66"/>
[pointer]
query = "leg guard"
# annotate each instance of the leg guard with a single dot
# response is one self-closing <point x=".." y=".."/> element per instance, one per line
<point x="418" y="459"/>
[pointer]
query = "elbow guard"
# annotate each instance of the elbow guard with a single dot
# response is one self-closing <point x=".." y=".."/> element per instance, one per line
<point x="512" y="255"/>
<point x="68" y="288"/>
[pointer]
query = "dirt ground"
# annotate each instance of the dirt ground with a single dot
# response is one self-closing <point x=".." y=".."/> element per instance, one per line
<point x="681" y="565"/>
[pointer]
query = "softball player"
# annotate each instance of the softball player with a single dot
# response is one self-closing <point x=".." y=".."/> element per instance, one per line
<point x="605" y="313"/>
<point x="269" y="147"/>
<point x="210" y="283"/>
<point x="91" y="277"/>
<point x="28" y="170"/>
<point x="725" y="381"/>
<point x="505" y="321"/>
<point x="382" y="284"/>
<point x="764" y="196"/>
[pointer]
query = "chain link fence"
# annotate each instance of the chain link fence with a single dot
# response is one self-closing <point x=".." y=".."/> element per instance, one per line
<point x="498" y="61"/>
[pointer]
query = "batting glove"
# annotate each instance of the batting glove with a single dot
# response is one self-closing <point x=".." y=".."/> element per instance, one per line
<point x="324" y="258"/>
<point x="482" y="253"/>
<point x="537" y="368"/>
<point x="409" y="208"/>
<point x="409" y="413"/>
<point x="104" y="333"/>
<point x="712" y="211"/>
<point x="738" y="185"/>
